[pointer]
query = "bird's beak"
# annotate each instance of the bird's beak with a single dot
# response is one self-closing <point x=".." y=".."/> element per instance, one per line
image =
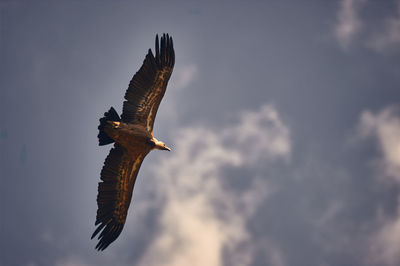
<point x="166" y="148"/>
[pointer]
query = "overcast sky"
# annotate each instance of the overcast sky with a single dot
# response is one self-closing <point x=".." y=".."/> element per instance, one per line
<point x="283" y="118"/>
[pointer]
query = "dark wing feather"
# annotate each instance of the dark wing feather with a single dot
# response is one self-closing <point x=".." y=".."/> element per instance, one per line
<point x="148" y="85"/>
<point x="115" y="192"/>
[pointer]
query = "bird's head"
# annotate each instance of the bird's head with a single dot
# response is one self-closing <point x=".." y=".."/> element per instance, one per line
<point x="159" y="145"/>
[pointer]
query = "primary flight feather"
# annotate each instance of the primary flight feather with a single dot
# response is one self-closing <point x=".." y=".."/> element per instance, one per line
<point x="133" y="138"/>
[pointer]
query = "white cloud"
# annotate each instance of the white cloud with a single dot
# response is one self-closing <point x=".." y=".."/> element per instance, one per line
<point x="71" y="261"/>
<point x="385" y="127"/>
<point x="202" y="220"/>
<point x="274" y="255"/>
<point x="385" y="243"/>
<point x="388" y="37"/>
<point x="261" y="132"/>
<point x="183" y="76"/>
<point x="382" y="37"/>
<point x="349" y="22"/>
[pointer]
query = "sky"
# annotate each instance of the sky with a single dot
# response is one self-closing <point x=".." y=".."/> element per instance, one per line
<point x="283" y="118"/>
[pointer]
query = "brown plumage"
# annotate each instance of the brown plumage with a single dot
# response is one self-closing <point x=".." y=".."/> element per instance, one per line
<point x="133" y="137"/>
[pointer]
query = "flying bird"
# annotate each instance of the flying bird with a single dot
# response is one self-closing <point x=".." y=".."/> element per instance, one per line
<point x="133" y="139"/>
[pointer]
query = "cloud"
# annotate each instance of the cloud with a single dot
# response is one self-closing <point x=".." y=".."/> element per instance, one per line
<point x="388" y="37"/>
<point x="184" y="76"/>
<point x="261" y="132"/>
<point x="203" y="222"/>
<point x="384" y="126"/>
<point x="381" y="37"/>
<point x="385" y="243"/>
<point x="71" y="261"/>
<point x="349" y="22"/>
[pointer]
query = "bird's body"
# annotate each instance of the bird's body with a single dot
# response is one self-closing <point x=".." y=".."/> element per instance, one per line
<point x="133" y="138"/>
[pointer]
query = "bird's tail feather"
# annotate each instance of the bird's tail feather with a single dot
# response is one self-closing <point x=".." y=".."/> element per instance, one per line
<point x="111" y="115"/>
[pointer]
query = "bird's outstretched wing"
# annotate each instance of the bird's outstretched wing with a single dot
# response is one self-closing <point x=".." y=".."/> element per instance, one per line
<point x="115" y="192"/>
<point x="148" y="85"/>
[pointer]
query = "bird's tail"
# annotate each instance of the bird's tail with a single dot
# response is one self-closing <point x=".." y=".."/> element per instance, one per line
<point x="111" y="115"/>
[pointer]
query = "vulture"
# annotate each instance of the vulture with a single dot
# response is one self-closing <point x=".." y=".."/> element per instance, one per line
<point x="132" y="135"/>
